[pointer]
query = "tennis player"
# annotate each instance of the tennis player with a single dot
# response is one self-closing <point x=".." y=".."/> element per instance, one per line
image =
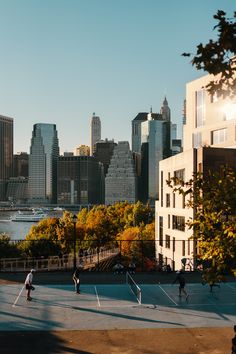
<point x="76" y="280"/>
<point x="29" y="284"/>
<point x="181" y="280"/>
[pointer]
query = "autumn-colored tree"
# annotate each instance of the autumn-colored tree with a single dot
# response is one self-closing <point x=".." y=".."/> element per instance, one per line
<point x="218" y="57"/>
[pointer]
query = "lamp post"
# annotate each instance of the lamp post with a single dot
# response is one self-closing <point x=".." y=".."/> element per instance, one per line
<point x="74" y="219"/>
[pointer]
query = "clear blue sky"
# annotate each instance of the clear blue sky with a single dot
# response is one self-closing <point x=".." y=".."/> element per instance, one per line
<point x="62" y="60"/>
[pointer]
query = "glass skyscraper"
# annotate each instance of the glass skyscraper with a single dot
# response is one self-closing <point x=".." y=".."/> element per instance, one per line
<point x="44" y="152"/>
<point x="6" y="153"/>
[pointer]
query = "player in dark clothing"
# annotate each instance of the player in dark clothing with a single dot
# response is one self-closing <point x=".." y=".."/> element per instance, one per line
<point x="233" y="350"/>
<point x="76" y="280"/>
<point x="181" y="280"/>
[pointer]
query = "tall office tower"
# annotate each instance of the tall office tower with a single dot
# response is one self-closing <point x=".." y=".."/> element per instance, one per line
<point x="6" y="153"/>
<point x="156" y="131"/>
<point x="21" y="164"/>
<point x="95" y="132"/>
<point x="103" y="152"/>
<point x="44" y="152"/>
<point x="136" y="131"/>
<point x="82" y="150"/>
<point x="165" y="110"/>
<point x="121" y="180"/>
<point x="80" y="180"/>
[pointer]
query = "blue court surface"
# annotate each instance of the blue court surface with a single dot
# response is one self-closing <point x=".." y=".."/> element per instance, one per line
<point x="57" y="307"/>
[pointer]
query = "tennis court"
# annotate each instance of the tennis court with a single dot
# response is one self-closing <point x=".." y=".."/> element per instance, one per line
<point x="126" y="305"/>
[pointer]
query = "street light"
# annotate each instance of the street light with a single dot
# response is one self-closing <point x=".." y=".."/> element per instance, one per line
<point x="74" y="219"/>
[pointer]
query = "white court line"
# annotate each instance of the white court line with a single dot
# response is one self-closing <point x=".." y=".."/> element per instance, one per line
<point x="230" y="286"/>
<point x="13" y="305"/>
<point x="167" y="295"/>
<point x="95" y="288"/>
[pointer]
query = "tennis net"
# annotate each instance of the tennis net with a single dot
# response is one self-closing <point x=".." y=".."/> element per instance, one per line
<point x="134" y="287"/>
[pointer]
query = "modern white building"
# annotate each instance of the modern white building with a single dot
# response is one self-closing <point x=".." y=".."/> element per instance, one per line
<point x="44" y="152"/>
<point x="209" y="140"/>
<point x="121" y="180"/>
<point x="95" y="132"/>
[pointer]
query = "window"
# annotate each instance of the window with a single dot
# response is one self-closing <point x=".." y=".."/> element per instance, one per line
<point x="183" y="201"/>
<point x="167" y="200"/>
<point x="167" y="241"/>
<point x="214" y="97"/>
<point x="161" y="188"/>
<point x="179" y="174"/>
<point x="197" y="140"/>
<point x="219" y="136"/>
<point x="161" y="230"/>
<point x="168" y="221"/>
<point x="200" y="108"/>
<point x="178" y="222"/>
<point x="183" y="248"/>
<point x="173" y="199"/>
<point x="173" y="244"/>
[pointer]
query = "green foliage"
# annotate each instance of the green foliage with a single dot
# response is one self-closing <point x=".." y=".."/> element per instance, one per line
<point x="218" y="57"/>
<point x="213" y="199"/>
<point x="8" y="249"/>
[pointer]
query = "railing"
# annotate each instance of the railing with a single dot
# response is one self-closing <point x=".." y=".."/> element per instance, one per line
<point x="57" y="263"/>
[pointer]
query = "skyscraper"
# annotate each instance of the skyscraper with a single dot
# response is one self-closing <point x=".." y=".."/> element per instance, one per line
<point x="103" y="152"/>
<point x="95" y="132"/>
<point x="80" y="180"/>
<point x="121" y="180"/>
<point x="6" y="153"/>
<point x="44" y="152"/>
<point x="136" y="131"/>
<point x="156" y="132"/>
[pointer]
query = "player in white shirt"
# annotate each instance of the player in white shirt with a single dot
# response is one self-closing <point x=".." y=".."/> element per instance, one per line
<point x="29" y="284"/>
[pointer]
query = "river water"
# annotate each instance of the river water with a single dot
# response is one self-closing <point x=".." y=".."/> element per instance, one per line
<point x="17" y="230"/>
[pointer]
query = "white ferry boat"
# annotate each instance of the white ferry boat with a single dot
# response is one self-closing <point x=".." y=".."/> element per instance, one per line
<point x="34" y="216"/>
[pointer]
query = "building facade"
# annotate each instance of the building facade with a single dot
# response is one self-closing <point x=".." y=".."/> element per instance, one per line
<point x="209" y="141"/>
<point x="95" y="132"/>
<point x="21" y="164"/>
<point x="103" y="152"/>
<point x="80" y="181"/>
<point x="82" y="150"/>
<point x="6" y="153"/>
<point x="44" y="152"/>
<point x="121" y="180"/>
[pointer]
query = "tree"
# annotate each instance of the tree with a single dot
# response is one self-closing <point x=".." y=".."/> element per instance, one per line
<point x="218" y="57"/>
<point x="8" y="249"/>
<point x="213" y="198"/>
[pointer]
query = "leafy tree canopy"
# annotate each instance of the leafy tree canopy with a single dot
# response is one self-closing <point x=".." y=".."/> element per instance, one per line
<point x="217" y="57"/>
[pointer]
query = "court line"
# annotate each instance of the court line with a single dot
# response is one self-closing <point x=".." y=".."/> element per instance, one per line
<point x="95" y="288"/>
<point x="230" y="286"/>
<point x="14" y="304"/>
<point x="167" y="295"/>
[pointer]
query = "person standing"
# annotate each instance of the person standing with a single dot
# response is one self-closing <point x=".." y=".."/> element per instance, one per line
<point x="181" y="280"/>
<point x="29" y="284"/>
<point x="233" y="350"/>
<point x="76" y="280"/>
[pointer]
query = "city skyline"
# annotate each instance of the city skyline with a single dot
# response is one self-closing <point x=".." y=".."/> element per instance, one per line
<point x="63" y="60"/>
